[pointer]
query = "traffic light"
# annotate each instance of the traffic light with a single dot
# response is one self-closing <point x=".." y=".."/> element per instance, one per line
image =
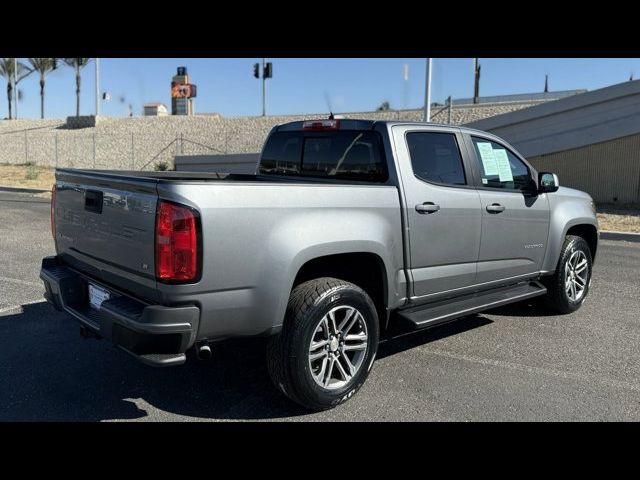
<point x="268" y="71"/>
<point x="256" y="70"/>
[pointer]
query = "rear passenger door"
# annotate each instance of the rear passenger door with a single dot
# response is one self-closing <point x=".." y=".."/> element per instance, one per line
<point x="442" y="208"/>
<point x="515" y="218"/>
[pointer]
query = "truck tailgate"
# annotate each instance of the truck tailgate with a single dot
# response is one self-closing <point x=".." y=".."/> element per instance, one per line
<point x="104" y="226"/>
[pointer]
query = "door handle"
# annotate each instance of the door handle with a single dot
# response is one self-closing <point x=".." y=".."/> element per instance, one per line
<point x="427" y="207"/>
<point x="495" y="208"/>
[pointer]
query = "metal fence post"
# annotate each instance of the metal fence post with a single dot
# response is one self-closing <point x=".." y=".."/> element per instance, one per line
<point x="56" y="144"/>
<point x="450" y="103"/>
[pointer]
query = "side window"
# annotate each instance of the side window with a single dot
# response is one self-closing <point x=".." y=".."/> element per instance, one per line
<point x="499" y="168"/>
<point x="435" y="157"/>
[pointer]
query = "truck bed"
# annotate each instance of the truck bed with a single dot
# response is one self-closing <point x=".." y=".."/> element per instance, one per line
<point x="256" y="232"/>
<point x="195" y="177"/>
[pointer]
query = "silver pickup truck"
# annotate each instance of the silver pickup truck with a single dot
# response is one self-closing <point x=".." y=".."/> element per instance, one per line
<point x="348" y="230"/>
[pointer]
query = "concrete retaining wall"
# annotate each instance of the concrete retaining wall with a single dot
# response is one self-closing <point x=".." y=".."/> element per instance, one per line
<point x="141" y="142"/>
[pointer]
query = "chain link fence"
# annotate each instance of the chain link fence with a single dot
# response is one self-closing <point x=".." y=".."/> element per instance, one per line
<point x="118" y="151"/>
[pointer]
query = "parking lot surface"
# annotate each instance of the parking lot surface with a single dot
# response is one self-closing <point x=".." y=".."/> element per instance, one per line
<point x="515" y="363"/>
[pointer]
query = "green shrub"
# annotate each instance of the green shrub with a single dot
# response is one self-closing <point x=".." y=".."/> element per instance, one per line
<point x="32" y="173"/>
<point x="162" y="166"/>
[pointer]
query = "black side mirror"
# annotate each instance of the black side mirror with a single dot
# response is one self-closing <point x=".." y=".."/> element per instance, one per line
<point x="548" y="182"/>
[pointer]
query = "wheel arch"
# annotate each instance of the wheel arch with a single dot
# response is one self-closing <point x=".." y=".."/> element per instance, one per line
<point x="589" y="233"/>
<point x="570" y="218"/>
<point x="362" y="268"/>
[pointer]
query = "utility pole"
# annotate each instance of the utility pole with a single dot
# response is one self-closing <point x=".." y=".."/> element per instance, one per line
<point x="264" y="89"/>
<point x="546" y="83"/>
<point x="476" y="81"/>
<point x="427" y="94"/>
<point x="97" y="87"/>
<point x="15" y="85"/>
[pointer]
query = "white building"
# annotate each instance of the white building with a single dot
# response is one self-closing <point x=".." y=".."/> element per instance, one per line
<point x="155" y="109"/>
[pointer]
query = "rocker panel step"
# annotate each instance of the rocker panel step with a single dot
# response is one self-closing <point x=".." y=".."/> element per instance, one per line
<point x="442" y="311"/>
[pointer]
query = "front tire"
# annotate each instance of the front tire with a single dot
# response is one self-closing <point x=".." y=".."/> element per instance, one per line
<point x="569" y="285"/>
<point x="327" y="345"/>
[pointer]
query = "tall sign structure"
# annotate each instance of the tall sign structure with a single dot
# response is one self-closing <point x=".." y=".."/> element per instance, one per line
<point x="182" y="93"/>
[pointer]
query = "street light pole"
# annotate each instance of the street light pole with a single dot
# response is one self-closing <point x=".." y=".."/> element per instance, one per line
<point x="427" y="94"/>
<point x="15" y="85"/>
<point x="476" y="79"/>
<point x="97" y="87"/>
<point x="264" y="89"/>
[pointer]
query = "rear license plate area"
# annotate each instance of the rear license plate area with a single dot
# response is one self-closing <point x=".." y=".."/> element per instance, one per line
<point x="97" y="295"/>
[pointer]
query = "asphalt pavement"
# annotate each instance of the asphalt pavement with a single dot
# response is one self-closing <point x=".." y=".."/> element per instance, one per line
<point x="514" y="363"/>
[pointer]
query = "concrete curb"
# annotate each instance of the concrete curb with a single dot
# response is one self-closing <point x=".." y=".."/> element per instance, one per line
<point x="22" y="190"/>
<point x="626" y="236"/>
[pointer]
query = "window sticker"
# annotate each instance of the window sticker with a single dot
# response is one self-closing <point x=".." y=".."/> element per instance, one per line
<point x="488" y="158"/>
<point x="504" y="167"/>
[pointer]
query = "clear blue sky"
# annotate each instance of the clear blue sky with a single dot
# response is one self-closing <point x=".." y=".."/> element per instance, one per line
<point x="227" y="86"/>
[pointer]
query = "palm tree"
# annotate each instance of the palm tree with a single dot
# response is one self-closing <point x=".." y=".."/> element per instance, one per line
<point x="7" y="66"/>
<point x="42" y="66"/>
<point x="77" y="64"/>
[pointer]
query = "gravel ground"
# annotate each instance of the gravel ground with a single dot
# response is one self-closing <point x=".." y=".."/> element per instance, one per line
<point x="26" y="176"/>
<point x="619" y="218"/>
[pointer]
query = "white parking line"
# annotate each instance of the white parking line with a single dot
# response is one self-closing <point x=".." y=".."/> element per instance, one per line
<point x="531" y="369"/>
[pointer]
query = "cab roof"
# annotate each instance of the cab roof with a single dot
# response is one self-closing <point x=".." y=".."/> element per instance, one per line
<point x="355" y="124"/>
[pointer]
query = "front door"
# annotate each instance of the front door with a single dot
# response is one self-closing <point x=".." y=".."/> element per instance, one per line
<point x="515" y="219"/>
<point x="442" y="209"/>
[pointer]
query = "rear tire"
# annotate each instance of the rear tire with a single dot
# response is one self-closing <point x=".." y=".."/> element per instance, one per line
<point x="568" y="287"/>
<point x="314" y="362"/>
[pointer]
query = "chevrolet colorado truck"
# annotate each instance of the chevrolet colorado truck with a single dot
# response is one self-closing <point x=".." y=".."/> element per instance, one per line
<point x="348" y="229"/>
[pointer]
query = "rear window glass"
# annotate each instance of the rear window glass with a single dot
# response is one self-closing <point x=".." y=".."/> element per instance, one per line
<point x="347" y="154"/>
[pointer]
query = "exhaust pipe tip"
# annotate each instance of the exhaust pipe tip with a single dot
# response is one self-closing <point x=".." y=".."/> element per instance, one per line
<point x="203" y="352"/>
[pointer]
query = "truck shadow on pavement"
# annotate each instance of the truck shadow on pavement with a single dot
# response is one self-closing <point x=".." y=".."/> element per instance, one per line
<point x="49" y="373"/>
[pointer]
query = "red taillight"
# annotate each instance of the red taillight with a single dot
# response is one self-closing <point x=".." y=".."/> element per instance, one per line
<point x="54" y="189"/>
<point x="176" y="243"/>
<point x="321" y="125"/>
